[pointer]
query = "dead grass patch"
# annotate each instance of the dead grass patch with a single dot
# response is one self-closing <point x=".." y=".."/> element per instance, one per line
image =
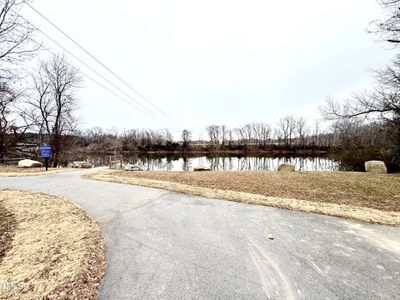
<point x="7" y="225"/>
<point x="56" y="251"/>
<point x="360" y="196"/>
<point x="14" y="171"/>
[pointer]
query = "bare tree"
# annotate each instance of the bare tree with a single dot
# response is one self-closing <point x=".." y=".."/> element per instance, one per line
<point x="224" y="135"/>
<point x="382" y="103"/>
<point x="302" y="130"/>
<point x="168" y="136"/>
<point x="286" y="129"/>
<point x="96" y="135"/>
<point x="130" y="140"/>
<point x="240" y="136"/>
<point x="315" y="135"/>
<point x="384" y="100"/>
<point x="389" y="29"/>
<point x="266" y="132"/>
<point x="15" y="36"/>
<point x="186" y="138"/>
<point x="9" y="130"/>
<point x="214" y="134"/>
<point x="257" y="127"/>
<point x="15" y="46"/>
<point x="247" y="132"/>
<point x="55" y="103"/>
<point x="261" y="133"/>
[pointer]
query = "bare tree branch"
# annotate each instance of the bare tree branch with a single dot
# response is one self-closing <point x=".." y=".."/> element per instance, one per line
<point x="55" y="102"/>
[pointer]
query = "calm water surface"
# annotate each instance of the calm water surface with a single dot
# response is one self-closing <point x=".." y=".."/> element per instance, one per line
<point x="224" y="163"/>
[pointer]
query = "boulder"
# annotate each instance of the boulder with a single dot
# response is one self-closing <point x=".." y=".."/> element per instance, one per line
<point x="202" y="169"/>
<point x="28" y="163"/>
<point x="130" y="167"/>
<point x="286" y="168"/>
<point x="81" y="165"/>
<point x="376" y="167"/>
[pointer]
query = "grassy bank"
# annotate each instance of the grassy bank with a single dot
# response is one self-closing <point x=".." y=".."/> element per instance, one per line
<point x="14" y="171"/>
<point x="55" y="251"/>
<point x="361" y="196"/>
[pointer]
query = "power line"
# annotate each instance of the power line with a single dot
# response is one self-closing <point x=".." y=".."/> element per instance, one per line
<point x="102" y="85"/>
<point x="99" y="62"/>
<point x="115" y="94"/>
<point x="144" y="109"/>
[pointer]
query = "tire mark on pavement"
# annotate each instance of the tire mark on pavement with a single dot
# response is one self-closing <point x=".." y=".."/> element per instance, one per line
<point x="277" y="281"/>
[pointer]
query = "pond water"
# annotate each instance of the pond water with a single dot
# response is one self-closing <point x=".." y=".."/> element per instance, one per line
<point x="248" y="163"/>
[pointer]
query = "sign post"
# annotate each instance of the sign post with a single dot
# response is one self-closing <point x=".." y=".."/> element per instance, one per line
<point x="45" y="152"/>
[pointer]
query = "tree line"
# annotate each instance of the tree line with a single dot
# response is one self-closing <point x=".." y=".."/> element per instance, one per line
<point x="290" y="133"/>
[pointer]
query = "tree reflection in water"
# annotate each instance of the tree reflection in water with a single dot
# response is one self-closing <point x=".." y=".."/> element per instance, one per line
<point x="219" y="163"/>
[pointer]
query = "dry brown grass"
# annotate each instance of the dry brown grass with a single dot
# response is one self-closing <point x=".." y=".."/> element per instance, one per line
<point x="14" y="171"/>
<point x="360" y="196"/>
<point x="56" y="251"/>
<point x="2" y="220"/>
<point x="7" y="225"/>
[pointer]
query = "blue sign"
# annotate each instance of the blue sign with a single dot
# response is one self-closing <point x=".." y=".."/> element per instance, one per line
<point x="45" y="150"/>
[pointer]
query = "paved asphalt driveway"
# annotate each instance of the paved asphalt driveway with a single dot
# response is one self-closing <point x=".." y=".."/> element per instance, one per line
<point x="164" y="245"/>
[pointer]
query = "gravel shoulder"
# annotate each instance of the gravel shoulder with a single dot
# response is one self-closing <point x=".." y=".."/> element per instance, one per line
<point x="358" y="196"/>
<point x="55" y="251"/>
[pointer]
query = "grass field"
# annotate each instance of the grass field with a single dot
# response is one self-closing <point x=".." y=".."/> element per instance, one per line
<point x="361" y="196"/>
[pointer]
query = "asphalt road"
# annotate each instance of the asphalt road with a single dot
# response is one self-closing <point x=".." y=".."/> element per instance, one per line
<point x="164" y="245"/>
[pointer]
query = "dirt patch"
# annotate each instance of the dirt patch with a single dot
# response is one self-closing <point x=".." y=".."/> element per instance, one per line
<point x="364" y="197"/>
<point x="56" y="251"/>
<point x="13" y="171"/>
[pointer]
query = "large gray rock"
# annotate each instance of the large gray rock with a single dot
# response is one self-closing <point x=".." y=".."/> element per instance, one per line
<point x="130" y="167"/>
<point x="376" y="167"/>
<point x="286" y="168"/>
<point x="28" y="163"/>
<point x="81" y="165"/>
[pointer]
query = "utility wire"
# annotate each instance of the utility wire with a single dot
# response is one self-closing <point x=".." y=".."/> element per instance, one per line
<point x="99" y="62"/>
<point x="101" y="85"/>
<point x="147" y="111"/>
<point x="116" y="95"/>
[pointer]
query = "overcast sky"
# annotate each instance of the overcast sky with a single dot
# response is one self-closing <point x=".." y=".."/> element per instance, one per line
<point x="222" y="61"/>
